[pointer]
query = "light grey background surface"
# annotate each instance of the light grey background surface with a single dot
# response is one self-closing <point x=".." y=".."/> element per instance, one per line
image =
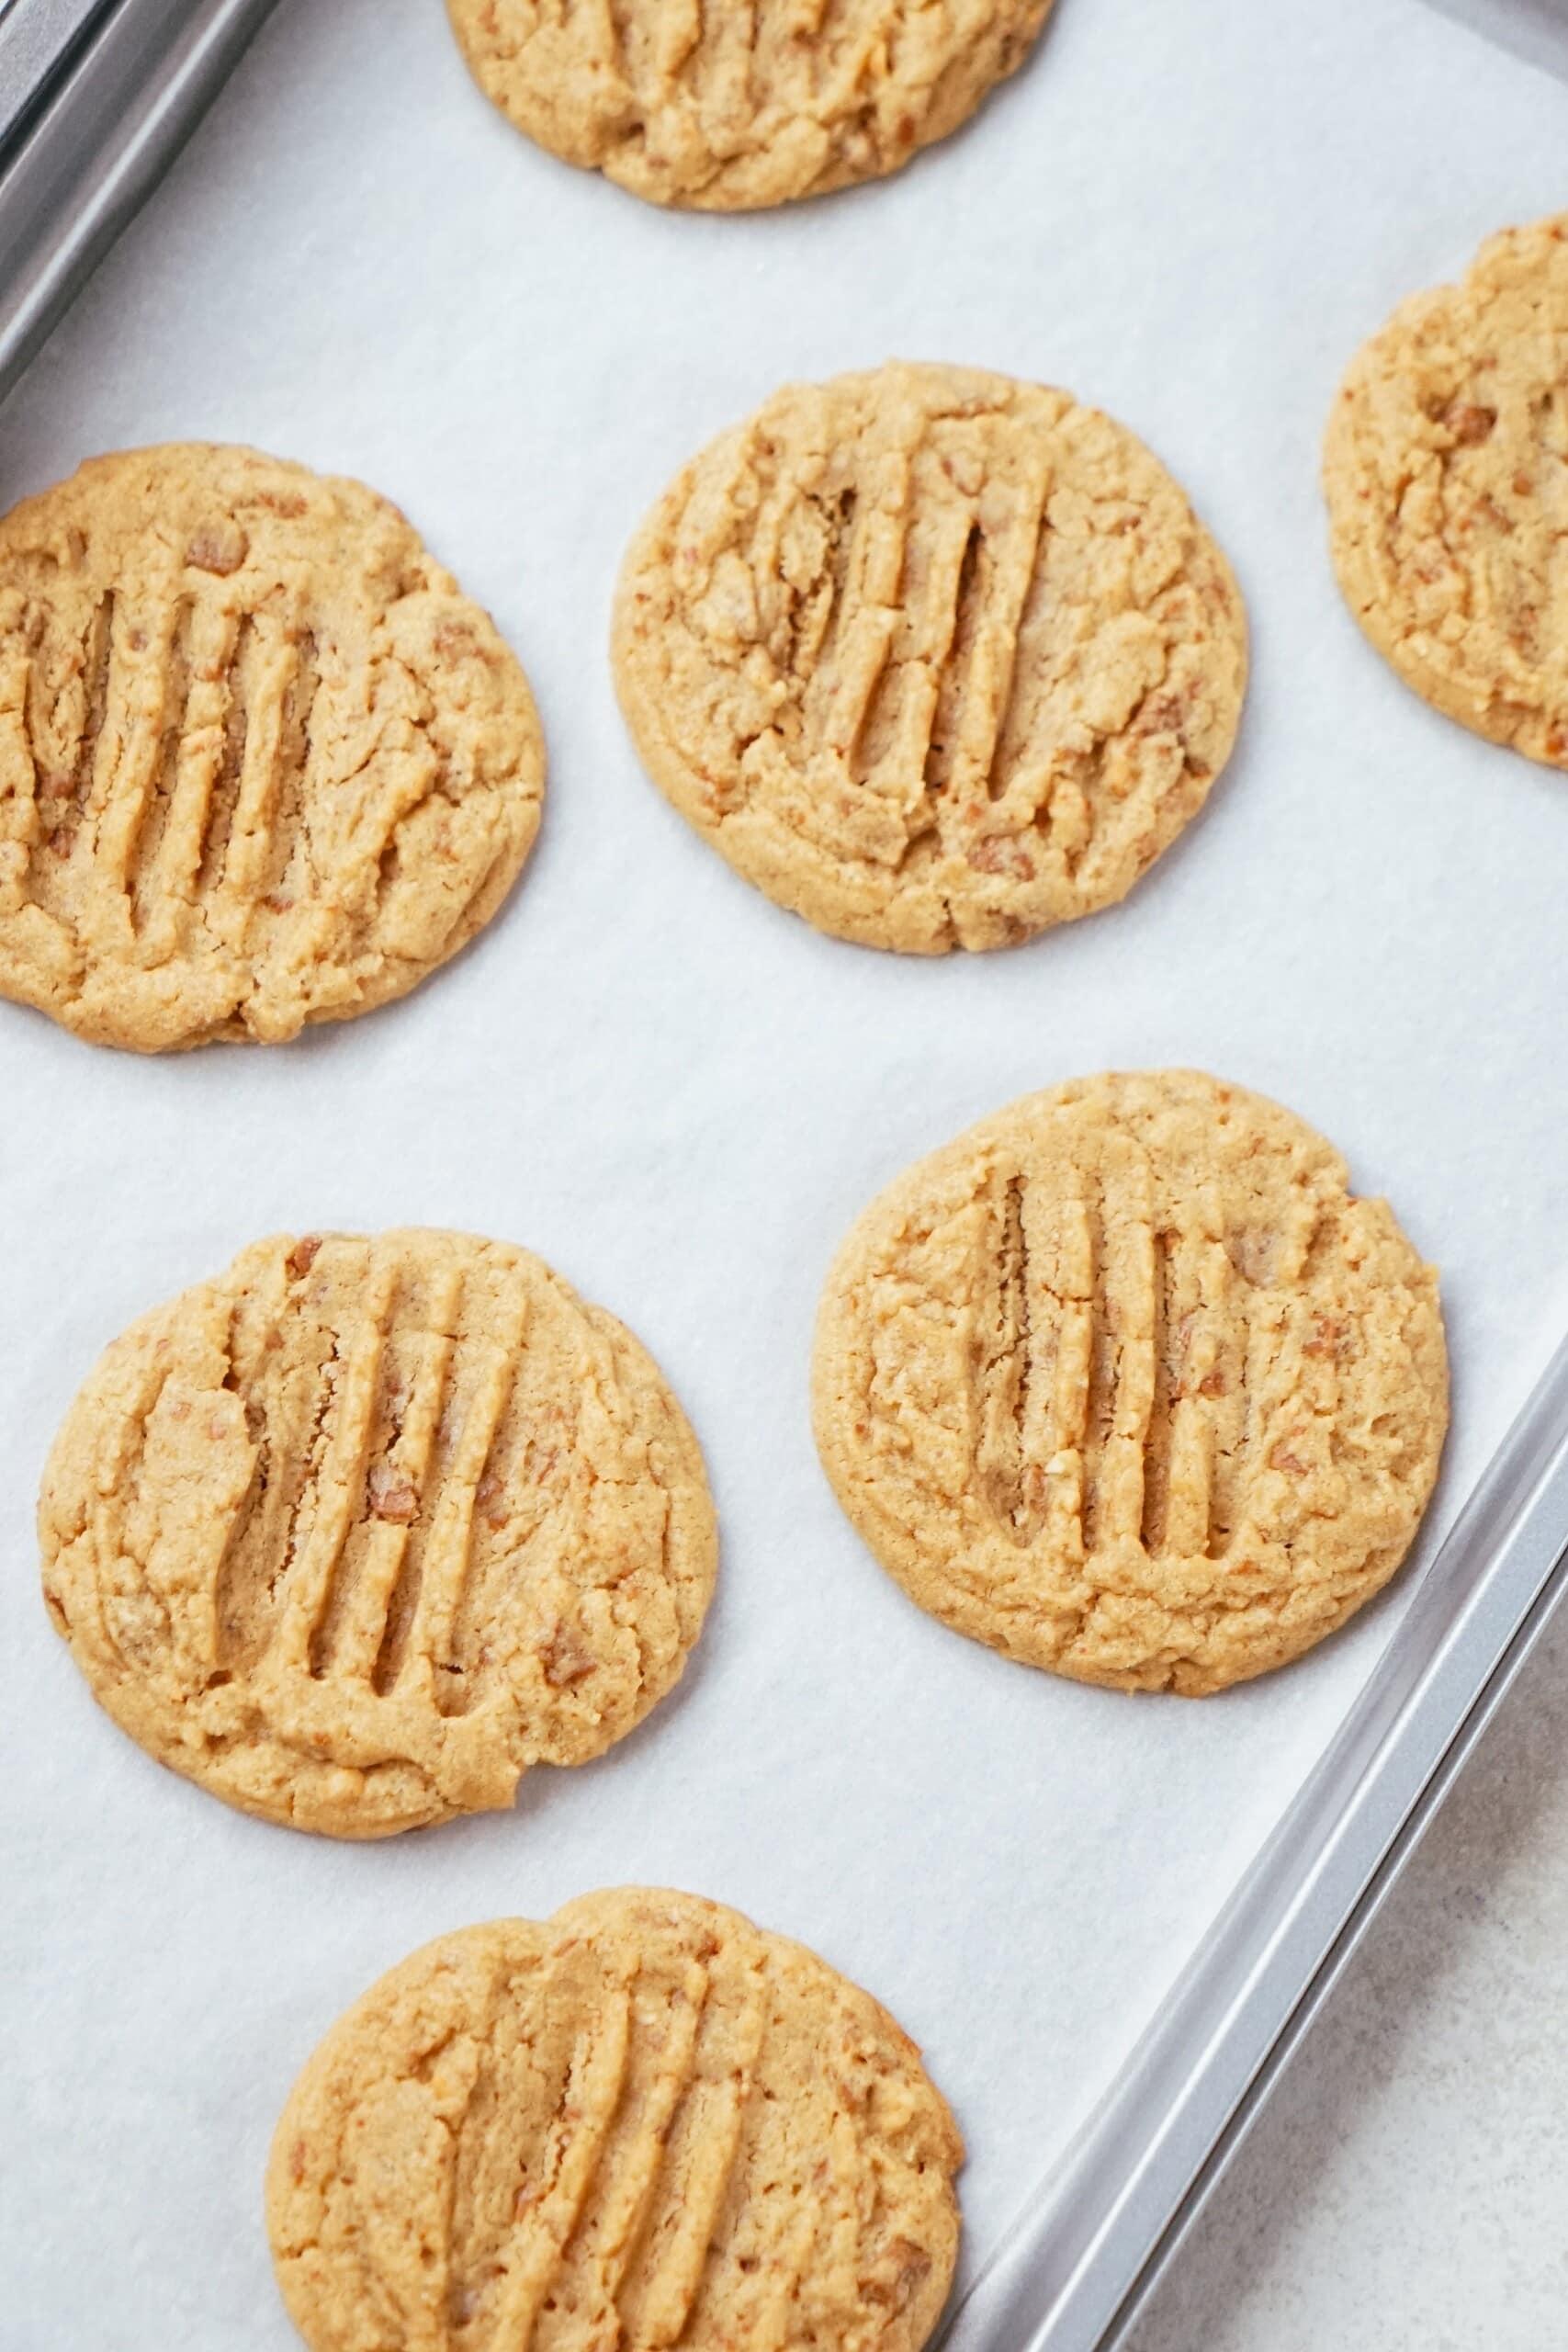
<point x="1190" y="215"/>
<point x="1403" y="2192"/>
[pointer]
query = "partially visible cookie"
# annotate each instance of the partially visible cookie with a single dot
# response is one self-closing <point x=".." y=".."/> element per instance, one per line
<point x="935" y="658"/>
<point x="726" y="109"/>
<point x="355" y="1533"/>
<point x="645" y="2122"/>
<point x="1446" y="470"/>
<point x="261" y="762"/>
<point x="1127" y="1384"/>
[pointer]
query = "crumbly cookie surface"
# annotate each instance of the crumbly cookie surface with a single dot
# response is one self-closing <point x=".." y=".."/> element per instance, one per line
<point x="360" y="1530"/>
<point x="935" y="658"/>
<point x="261" y="762"/>
<point x="1127" y="1384"/>
<point x="1445" y="471"/>
<point x="727" y="109"/>
<point x="645" y="2122"/>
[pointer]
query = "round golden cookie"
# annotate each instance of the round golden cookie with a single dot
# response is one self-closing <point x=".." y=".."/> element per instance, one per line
<point x="935" y="658"/>
<point x="261" y="763"/>
<point x="645" y="2122"/>
<point x="1126" y="1384"/>
<point x="729" y="108"/>
<point x="1446" y="470"/>
<point x="360" y="1530"/>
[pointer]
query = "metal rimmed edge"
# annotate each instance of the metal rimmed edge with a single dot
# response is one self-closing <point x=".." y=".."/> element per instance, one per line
<point x="1535" y="29"/>
<point x="38" y="38"/>
<point x="118" y="93"/>
<point x="1077" y="2265"/>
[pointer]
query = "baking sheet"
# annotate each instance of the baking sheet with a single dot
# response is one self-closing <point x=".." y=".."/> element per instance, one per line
<point x="681" y="1096"/>
<point x="1534" y="28"/>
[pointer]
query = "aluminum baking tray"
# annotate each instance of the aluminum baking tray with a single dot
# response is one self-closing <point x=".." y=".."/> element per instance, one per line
<point x="146" y="1174"/>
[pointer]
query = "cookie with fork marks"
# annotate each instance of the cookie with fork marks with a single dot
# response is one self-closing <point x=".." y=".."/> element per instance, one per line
<point x="262" y="763"/>
<point x="724" y="109"/>
<point x="355" y="1533"/>
<point x="1128" y="1384"/>
<point x="1445" y="471"/>
<point x="935" y="658"/>
<point x="642" y="2122"/>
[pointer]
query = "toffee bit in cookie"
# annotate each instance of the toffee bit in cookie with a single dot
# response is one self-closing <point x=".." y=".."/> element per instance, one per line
<point x="902" y="2271"/>
<point x="565" y="1660"/>
<point x="1329" y="1333"/>
<point x="1469" y="423"/>
<point x="390" y="1495"/>
<point x="220" y="548"/>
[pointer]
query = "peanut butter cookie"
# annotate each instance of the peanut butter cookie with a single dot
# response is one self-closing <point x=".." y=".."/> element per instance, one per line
<point x="645" y="2122"/>
<point x="1446" y="470"/>
<point x="724" y="109"/>
<point x="360" y="1530"/>
<point x="1126" y="1383"/>
<point x="934" y="658"/>
<point x="261" y="763"/>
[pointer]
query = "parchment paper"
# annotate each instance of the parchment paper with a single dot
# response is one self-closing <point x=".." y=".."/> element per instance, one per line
<point x="1189" y="213"/>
